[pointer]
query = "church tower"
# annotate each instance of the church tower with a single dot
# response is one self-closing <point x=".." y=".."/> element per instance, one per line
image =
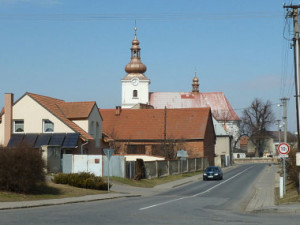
<point x="135" y="85"/>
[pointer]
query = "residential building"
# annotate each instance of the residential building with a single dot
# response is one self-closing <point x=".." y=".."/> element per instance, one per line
<point x="223" y="147"/>
<point x="160" y="132"/>
<point x="44" y="121"/>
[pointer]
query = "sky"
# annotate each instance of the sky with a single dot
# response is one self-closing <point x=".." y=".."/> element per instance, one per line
<point x="76" y="50"/>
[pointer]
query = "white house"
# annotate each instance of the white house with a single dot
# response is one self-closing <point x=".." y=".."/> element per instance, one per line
<point x="40" y="120"/>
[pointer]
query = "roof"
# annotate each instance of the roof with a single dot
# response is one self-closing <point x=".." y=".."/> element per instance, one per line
<point x="220" y="106"/>
<point x="244" y="140"/>
<point x="62" y="110"/>
<point x="148" y="124"/>
<point x="77" y="110"/>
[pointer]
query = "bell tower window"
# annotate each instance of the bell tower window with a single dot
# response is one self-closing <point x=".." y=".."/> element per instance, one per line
<point x="135" y="94"/>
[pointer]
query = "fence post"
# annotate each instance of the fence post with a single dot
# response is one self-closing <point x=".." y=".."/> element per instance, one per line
<point x="187" y="165"/>
<point x="179" y="169"/>
<point x="156" y="168"/>
<point x="195" y="164"/>
<point x="169" y="168"/>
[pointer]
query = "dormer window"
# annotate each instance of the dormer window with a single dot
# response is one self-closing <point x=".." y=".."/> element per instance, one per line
<point x="48" y="126"/>
<point x="18" y="126"/>
<point x="135" y="94"/>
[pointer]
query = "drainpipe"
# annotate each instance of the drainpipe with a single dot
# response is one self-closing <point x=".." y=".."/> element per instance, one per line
<point x="81" y="148"/>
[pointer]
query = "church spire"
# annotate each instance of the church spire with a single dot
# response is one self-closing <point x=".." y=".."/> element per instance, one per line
<point x="135" y="65"/>
<point x="195" y="84"/>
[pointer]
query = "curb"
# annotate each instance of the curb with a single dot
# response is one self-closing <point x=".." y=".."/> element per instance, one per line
<point x="63" y="201"/>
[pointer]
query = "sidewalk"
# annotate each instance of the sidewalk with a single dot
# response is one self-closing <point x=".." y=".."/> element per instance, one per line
<point x="263" y="200"/>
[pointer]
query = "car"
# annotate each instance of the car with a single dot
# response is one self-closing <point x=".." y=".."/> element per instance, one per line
<point x="213" y="173"/>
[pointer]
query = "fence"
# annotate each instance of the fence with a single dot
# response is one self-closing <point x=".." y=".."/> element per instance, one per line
<point x="118" y="167"/>
<point x="157" y="169"/>
<point x="255" y="160"/>
<point x="82" y="163"/>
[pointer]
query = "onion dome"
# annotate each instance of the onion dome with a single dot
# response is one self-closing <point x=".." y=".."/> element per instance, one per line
<point x="135" y="65"/>
<point x="195" y="84"/>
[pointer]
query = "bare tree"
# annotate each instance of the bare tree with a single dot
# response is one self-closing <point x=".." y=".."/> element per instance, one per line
<point x="255" y="121"/>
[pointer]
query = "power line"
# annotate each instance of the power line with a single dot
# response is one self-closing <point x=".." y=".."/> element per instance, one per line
<point x="144" y="16"/>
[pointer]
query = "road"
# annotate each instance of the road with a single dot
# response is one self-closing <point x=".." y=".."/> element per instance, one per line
<point x="202" y="202"/>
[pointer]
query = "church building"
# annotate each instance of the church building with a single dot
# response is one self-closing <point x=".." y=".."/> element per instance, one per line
<point x="135" y="94"/>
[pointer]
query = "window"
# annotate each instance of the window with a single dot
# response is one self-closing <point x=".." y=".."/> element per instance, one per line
<point x="19" y="126"/>
<point x="135" y="93"/>
<point x="48" y="126"/>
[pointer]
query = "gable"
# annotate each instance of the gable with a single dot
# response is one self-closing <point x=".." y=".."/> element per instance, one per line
<point x="33" y="115"/>
<point x="53" y="106"/>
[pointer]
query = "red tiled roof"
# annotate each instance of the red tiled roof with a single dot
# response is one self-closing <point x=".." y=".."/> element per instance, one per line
<point x="220" y="107"/>
<point x="148" y="124"/>
<point x="56" y="107"/>
<point x="244" y="140"/>
<point x="77" y="110"/>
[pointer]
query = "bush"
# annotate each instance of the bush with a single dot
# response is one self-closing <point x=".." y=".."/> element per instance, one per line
<point x="291" y="168"/>
<point x="81" y="180"/>
<point x="21" y="169"/>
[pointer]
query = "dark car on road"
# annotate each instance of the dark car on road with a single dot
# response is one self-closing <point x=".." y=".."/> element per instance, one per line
<point x="213" y="173"/>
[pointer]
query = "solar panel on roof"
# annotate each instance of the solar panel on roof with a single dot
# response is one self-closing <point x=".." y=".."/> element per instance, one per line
<point x="57" y="139"/>
<point x="29" y="139"/>
<point x="15" y="140"/>
<point x="43" y="139"/>
<point x="71" y="140"/>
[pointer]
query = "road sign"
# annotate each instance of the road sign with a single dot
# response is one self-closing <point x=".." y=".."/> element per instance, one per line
<point x="182" y="154"/>
<point x="283" y="156"/>
<point x="283" y="149"/>
<point x="108" y="152"/>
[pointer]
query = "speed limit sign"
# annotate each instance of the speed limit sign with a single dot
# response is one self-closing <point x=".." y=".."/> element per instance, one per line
<point x="284" y="148"/>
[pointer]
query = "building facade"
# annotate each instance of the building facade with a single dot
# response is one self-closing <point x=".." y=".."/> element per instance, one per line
<point x="41" y="120"/>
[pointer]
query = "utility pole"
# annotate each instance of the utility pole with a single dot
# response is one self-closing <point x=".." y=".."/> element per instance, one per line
<point x="293" y="12"/>
<point x="284" y="118"/>
<point x="279" y="130"/>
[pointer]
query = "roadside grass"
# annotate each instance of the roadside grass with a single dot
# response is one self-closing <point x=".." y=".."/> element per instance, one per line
<point x="49" y="190"/>
<point x="149" y="183"/>
<point x="291" y="195"/>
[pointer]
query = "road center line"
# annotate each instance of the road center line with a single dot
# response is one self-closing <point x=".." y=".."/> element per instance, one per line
<point x="201" y="193"/>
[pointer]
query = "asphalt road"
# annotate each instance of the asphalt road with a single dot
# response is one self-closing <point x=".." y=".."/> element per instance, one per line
<point x="203" y="202"/>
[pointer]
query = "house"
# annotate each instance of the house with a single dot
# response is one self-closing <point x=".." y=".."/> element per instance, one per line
<point x="44" y="121"/>
<point x="239" y="153"/>
<point x="159" y="132"/>
<point x="223" y="147"/>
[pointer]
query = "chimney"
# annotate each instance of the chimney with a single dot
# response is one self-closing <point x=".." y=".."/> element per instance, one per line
<point x="8" y="104"/>
<point x="118" y="110"/>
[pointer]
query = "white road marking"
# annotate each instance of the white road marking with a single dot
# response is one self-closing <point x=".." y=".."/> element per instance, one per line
<point x="201" y="193"/>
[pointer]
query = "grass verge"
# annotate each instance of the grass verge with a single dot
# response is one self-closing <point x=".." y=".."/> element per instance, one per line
<point x="149" y="183"/>
<point x="291" y="196"/>
<point x="49" y="190"/>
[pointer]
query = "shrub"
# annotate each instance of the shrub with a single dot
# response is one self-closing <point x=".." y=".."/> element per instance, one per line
<point x="81" y="180"/>
<point x="291" y="168"/>
<point x="21" y="169"/>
